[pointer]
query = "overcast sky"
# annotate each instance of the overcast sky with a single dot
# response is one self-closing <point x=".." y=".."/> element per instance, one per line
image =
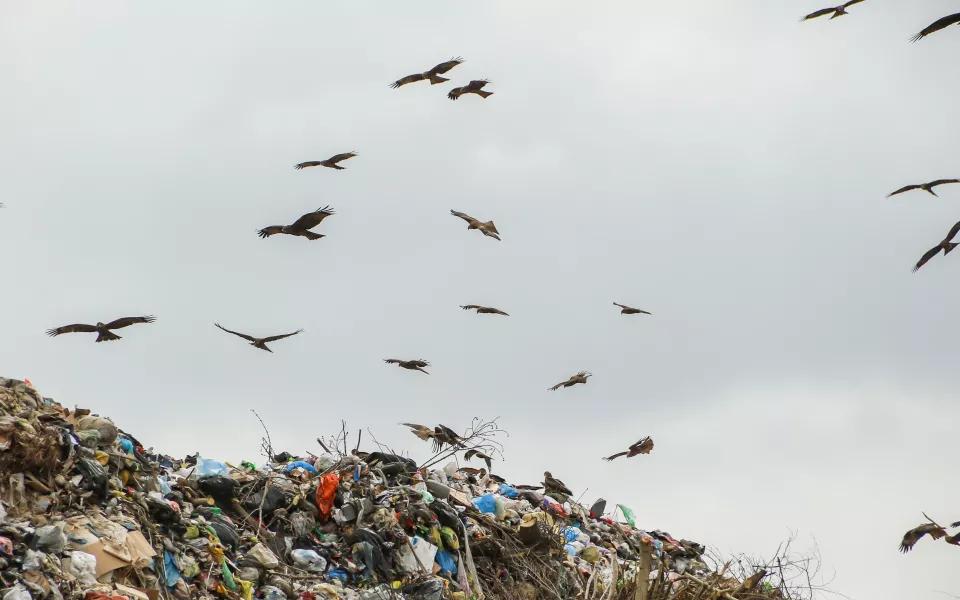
<point x="716" y="163"/>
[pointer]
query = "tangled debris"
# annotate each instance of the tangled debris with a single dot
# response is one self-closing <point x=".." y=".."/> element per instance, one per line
<point x="87" y="512"/>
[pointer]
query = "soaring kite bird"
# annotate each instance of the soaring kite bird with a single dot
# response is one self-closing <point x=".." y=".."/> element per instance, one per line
<point x="473" y="452"/>
<point x="580" y="377"/>
<point x="484" y="310"/>
<point x="302" y="226"/>
<point x="474" y="87"/>
<point x="421" y="431"/>
<point x="551" y="483"/>
<point x="911" y="537"/>
<point x="413" y="365"/>
<point x="102" y="330"/>
<point x="928" y="187"/>
<point x="837" y="11"/>
<point x="644" y="446"/>
<point x="433" y="74"/>
<point x="443" y="435"/>
<point x="488" y="229"/>
<point x="260" y="342"/>
<point x="937" y="26"/>
<point x="946" y="245"/>
<point x="330" y="162"/>
<point x="629" y="310"/>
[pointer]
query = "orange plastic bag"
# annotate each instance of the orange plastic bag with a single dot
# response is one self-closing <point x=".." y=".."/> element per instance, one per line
<point x="326" y="492"/>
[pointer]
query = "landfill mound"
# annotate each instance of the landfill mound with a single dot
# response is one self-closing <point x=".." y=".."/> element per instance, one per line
<point x="88" y="513"/>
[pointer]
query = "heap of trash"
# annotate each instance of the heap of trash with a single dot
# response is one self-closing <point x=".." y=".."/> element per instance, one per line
<point x="86" y="511"/>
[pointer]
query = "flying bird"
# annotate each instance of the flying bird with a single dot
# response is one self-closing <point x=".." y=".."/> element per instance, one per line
<point x="644" y="446"/>
<point x="927" y="187"/>
<point x="474" y="87"/>
<point x="551" y="483"/>
<point x="444" y="436"/>
<point x="413" y="365"/>
<point x="911" y="537"/>
<point x="421" y="431"/>
<point x="946" y="244"/>
<point x="937" y="26"/>
<point x="488" y="229"/>
<point x="473" y="452"/>
<point x="484" y="310"/>
<point x="260" y="342"/>
<point x="301" y="227"/>
<point x="629" y="310"/>
<point x="102" y="330"/>
<point x="580" y="377"/>
<point x="433" y="74"/>
<point x="330" y="162"/>
<point x="836" y="10"/>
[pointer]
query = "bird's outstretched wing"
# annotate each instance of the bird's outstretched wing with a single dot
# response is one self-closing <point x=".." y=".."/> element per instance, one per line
<point x="475" y="85"/>
<point x="913" y="536"/>
<point x="621" y="305"/>
<point x="926" y="258"/>
<point x="341" y="157"/>
<point x="560" y="385"/>
<point x="392" y="361"/>
<point x="407" y="79"/>
<point x="309" y="163"/>
<point x="644" y="446"/>
<point x="905" y="188"/>
<point x="470" y="307"/>
<point x="274" y="338"/>
<point x="75" y="328"/>
<point x="455" y="93"/>
<point x="268" y="231"/>
<point x="936" y="26"/>
<point x="613" y="456"/>
<point x="243" y="335"/>
<point x="491" y="226"/>
<point x="819" y="13"/>
<point x="463" y="216"/>
<point x="127" y="321"/>
<point x="492" y="311"/>
<point x="851" y="3"/>
<point x="312" y="219"/>
<point x="446" y="66"/>
<point x="943" y="181"/>
<point x="953" y="232"/>
<point x="422" y="363"/>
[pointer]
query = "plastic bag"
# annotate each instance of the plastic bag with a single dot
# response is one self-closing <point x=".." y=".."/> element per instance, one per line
<point x="50" y="538"/>
<point x="18" y="592"/>
<point x="207" y="467"/>
<point x="83" y="566"/>
<point x="309" y="560"/>
<point x="263" y="557"/>
<point x="446" y="562"/>
<point x="486" y="504"/>
<point x="300" y="465"/>
<point x="508" y="491"/>
<point x="326" y="493"/>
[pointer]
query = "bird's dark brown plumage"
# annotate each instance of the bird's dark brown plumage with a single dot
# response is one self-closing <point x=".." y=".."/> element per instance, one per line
<point x="488" y="229"/>
<point x="629" y="310"/>
<point x="837" y="11"/>
<point x="927" y="187"/>
<point x="329" y="163"/>
<point x="433" y="75"/>
<point x="911" y="537"/>
<point x="580" y="377"/>
<point x="301" y="227"/>
<point x="101" y="329"/>
<point x="474" y="87"/>
<point x="946" y="244"/>
<point x="413" y="365"/>
<point x="259" y="342"/>
<point x="643" y="446"/>
<point x="484" y="310"/>
<point x="937" y="26"/>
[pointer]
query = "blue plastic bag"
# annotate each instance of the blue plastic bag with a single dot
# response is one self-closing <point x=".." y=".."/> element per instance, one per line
<point x="509" y="492"/>
<point x="171" y="569"/>
<point x="299" y="465"/>
<point x="127" y="445"/>
<point x="446" y="561"/>
<point x="571" y="533"/>
<point x="486" y="504"/>
<point x="207" y="467"/>
<point x="338" y="574"/>
<point x="570" y="549"/>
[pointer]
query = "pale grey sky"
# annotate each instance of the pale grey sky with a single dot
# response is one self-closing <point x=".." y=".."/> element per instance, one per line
<point x="717" y="163"/>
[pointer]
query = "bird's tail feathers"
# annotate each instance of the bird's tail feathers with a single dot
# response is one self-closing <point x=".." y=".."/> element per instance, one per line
<point x="338" y="167"/>
<point x="484" y="94"/>
<point x="435" y="79"/>
<point x="311" y="235"/>
<point x="107" y="336"/>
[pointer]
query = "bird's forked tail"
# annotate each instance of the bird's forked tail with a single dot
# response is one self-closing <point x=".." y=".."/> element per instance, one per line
<point x="484" y="94"/>
<point x="107" y="336"/>
<point x="435" y="79"/>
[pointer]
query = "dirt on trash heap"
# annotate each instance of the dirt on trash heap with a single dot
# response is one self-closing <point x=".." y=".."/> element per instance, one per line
<point x="86" y="512"/>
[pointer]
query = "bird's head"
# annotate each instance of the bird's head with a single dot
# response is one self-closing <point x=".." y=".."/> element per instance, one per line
<point x="547" y="475"/>
<point x="99" y="324"/>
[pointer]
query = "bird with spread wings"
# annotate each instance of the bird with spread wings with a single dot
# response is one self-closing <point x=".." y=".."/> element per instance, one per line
<point x="330" y="162"/>
<point x="930" y="528"/>
<point x="484" y="310"/>
<point x="937" y="26"/>
<point x="474" y="87"/>
<point x="629" y="310"/>
<point x="644" y="446"/>
<point x="259" y="342"/>
<point x="946" y="244"/>
<point x="101" y="329"/>
<point x="488" y="229"/>
<point x="421" y="431"/>
<point x="580" y="377"/>
<point x="413" y="365"/>
<point x="927" y="187"/>
<point x="433" y="75"/>
<point x="474" y="453"/>
<point x="301" y="227"/>
<point x="838" y="11"/>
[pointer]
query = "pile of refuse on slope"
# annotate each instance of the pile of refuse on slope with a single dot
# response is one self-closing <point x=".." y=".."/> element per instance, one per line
<point x="87" y="512"/>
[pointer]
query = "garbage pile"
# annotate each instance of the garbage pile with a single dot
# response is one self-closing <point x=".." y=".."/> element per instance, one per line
<point x="87" y="512"/>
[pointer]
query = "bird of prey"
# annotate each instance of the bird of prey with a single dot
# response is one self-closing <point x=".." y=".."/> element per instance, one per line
<point x="488" y="229"/>
<point x="911" y="537"/>
<point x="443" y="435"/>
<point x="473" y="452"/>
<point x="421" y="431"/>
<point x="946" y="244"/>
<point x="927" y="187"/>
<point x="474" y="87"/>
<point x="531" y="488"/>
<point x="937" y="26"/>
<point x="629" y="310"/>
<point x="644" y="446"/>
<point x="260" y="342"/>
<point x="433" y="74"/>
<point x="836" y="10"/>
<point x="301" y="227"/>
<point x="102" y="330"/>
<point x="580" y="377"/>
<point x="484" y="310"/>
<point x="330" y="162"/>
<point x="551" y="483"/>
<point x="413" y="365"/>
